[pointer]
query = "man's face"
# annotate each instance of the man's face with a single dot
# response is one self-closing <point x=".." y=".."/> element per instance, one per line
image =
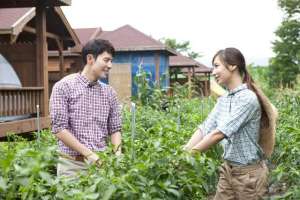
<point x="101" y="65"/>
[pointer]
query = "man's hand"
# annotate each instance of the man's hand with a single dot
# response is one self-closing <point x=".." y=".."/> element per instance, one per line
<point x="93" y="158"/>
<point x="118" y="153"/>
<point x="116" y="142"/>
<point x="117" y="150"/>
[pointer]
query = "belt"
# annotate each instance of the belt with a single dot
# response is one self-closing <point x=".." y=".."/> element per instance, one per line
<point x="79" y="158"/>
<point x="234" y="169"/>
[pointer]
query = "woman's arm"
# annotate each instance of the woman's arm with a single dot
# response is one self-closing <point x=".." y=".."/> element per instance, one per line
<point x="195" y="139"/>
<point x="208" y="141"/>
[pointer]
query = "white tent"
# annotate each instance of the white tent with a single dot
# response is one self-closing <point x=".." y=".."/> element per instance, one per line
<point x="8" y="76"/>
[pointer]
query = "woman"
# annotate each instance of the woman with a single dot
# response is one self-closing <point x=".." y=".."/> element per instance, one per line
<point x="236" y="121"/>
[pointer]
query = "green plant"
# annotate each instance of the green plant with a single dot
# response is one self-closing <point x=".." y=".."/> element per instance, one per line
<point x="159" y="169"/>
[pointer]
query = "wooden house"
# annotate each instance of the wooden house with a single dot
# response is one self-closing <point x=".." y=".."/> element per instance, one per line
<point x="187" y="70"/>
<point x="28" y="29"/>
<point x="133" y="49"/>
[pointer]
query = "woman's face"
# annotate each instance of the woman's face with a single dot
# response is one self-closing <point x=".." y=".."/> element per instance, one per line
<point x="221" y="73"/>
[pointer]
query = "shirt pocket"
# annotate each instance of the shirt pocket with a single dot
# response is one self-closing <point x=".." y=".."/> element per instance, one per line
<point x="101" y="125"/>
<point x="101" y="114"/>
<point x="101" y="110"/>
<point x="77" y="102"/>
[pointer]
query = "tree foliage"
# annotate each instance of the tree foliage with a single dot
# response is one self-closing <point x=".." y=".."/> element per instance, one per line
<point x="182" y="47"/>
<point x="285" y="66"/>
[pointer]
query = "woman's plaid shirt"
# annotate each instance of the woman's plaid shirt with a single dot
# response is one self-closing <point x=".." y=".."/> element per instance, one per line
<point x="237" y="115"/>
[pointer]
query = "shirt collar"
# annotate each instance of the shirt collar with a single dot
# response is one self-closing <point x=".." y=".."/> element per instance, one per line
<point x="87" y="82"/>
<point x="237" y="89"/>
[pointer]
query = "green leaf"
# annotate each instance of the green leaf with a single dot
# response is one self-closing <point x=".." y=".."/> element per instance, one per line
<point x="109" y="192"/>
<point x="174" y="192"/>
<point x="92" y="196"/>
<point x="3" y="184"/>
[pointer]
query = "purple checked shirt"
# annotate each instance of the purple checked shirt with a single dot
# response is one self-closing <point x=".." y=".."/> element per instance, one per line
<point x="89" y="110"/>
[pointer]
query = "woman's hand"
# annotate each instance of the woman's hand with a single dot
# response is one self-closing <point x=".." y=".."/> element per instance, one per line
<point x="185" y="147"/>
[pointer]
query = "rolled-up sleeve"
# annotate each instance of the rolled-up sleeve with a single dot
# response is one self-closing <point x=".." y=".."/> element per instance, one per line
<point x="210" y="122"/>
<point x="58" y="109"/>
<point x="240" y="114"/>
<point x="114" y="119"/>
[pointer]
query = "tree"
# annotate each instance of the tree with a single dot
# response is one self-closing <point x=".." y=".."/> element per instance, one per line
<point x="181" y="47"/>
<point x="290" y="7"/>
<point x="285" y="66"/>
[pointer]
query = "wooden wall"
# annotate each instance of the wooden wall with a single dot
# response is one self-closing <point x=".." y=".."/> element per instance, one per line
<point x="22" y="57"/>
<point x="72" y="65"/>
<point x="120" y="80"/>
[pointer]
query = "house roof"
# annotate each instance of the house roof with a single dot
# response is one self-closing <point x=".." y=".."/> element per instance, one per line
<point x="127" y="38"/>
<point x="66" y="53"/>
<point x="198" y="70"/>
<point x="181" y="61"/>
<point x="32" y="3"/>
<point x="19" y="23"/>
<point x="86" y="34"/>
<point x="12" y="17"/>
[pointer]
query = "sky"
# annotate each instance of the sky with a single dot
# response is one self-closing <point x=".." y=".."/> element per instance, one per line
<point x="209" y="25"/>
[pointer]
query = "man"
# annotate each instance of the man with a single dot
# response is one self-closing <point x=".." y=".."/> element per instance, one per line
<point x="85" y="112"/>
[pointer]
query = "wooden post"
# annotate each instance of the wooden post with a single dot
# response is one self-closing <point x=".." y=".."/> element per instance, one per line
<point x="157" y="68"/>
<point x="42" y="56"/>
<point x="61" y="58"/>
<point x="208" y="84"/>
<point x="193" y="71"/>
<point x="190" y="82"/>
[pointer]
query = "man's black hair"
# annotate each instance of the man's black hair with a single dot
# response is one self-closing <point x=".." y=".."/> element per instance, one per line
<point x="96" y="47"/>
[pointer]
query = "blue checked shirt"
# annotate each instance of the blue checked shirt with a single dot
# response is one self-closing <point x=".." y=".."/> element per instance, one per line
<point x="237" y="115"/>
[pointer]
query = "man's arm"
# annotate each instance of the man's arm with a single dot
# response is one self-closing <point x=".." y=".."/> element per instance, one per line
<point x="115" y="123"/>
<point x="116" y="140"/>
<point x="68" y="139"/>
<point x="208" y="141"/>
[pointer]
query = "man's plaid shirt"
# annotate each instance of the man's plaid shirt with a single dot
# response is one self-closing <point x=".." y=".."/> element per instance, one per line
<point x="237" y="115"/>
<point x="89" y="110"/>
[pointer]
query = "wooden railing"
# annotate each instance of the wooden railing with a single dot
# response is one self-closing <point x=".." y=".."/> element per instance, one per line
<point x="19" y="101"/>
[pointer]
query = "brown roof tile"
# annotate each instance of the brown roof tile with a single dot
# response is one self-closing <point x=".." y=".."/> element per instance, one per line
<point x="198" y="70"/>
<point x="9" y="16"/>
<point x="13" y="20"/>
<point x="127" y="38"/>
<point x="85" y="34"/>
<point x="183" y="62"/>
<point x="32" y="3"/>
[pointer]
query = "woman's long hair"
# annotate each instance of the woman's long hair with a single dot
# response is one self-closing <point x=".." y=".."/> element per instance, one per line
<point x="232" y="56"/>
